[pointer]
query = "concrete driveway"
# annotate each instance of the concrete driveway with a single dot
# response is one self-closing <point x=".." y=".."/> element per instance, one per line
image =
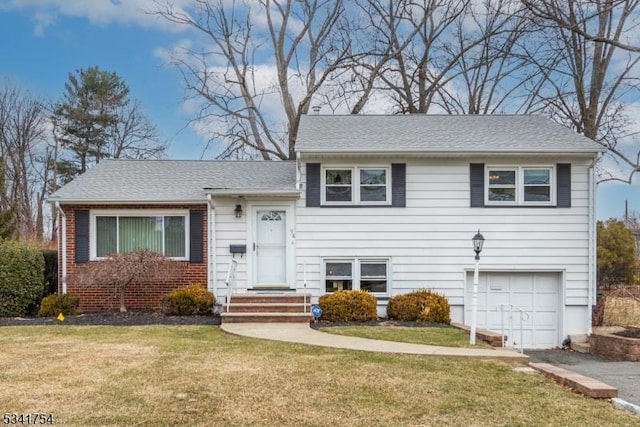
<point x="625" y="376"/>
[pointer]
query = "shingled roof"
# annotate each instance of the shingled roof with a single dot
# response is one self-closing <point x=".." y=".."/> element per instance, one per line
<point x="428" y="133"/>
<point x="188" y="181"/>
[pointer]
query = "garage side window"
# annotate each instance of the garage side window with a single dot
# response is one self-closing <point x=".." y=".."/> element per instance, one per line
<point x="359" y="274"/>
<point x="338" y="275"/>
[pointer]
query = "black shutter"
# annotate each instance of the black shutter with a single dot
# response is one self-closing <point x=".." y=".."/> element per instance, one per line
<point x="195" y="236"/>
<point x="476" y="176"/>
<point x="313" y="184"/>
<point x="399" y="185"/>
<point x="563" y="185"/>
<point x="81" y="218"/>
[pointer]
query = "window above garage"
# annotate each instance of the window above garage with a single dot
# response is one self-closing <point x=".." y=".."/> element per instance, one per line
<point x="520" y="185"/>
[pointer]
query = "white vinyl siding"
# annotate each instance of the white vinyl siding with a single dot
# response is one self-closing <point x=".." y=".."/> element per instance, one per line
<point x="428" y="242"/>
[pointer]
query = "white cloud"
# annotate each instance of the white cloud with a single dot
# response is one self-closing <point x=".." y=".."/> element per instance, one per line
<point x="98" y="12"/>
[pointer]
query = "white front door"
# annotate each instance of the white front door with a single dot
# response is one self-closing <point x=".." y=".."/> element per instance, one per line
<point x="271" y="247"/>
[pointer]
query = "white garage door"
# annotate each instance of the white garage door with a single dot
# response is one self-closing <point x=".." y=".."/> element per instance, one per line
<point x="537" y="294"/>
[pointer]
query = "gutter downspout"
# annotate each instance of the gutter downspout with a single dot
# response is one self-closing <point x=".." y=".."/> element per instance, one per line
<point x="592" y="244"/>
<point x="62" y="220"/>
<point x="211" y="246"/>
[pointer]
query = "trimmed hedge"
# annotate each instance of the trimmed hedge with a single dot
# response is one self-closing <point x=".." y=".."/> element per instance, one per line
<point x="349" y="306"/>
<point x="419" y="306"/>
<point x="21" y="278"/>
<point x="55" y="304"/>
<point x="187" y="301"/>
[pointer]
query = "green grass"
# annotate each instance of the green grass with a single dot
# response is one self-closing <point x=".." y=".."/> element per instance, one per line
<point x="199" y="376"/>
<point x="440" y="336"/>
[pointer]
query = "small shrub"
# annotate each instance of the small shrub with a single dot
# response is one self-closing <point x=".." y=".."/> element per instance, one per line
<point x="419" y="306"/>
<point x="21" y="278"/>
<point x="55" y="304"/>
<point x="188" y="300"/>
<point x="349" y="306"/>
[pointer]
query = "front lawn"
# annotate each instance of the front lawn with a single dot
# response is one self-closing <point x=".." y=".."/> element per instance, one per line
<point x="440" y="336"/>
<point x="198" y="376"/>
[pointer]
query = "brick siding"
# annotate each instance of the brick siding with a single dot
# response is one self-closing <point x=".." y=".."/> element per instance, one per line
<point x="137" y="296"/>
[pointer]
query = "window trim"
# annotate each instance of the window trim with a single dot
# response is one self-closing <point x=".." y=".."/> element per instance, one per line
<point x="520" y="186"/>
<point x="356" y="275"/>
<point x="355" y="185"/>
<point x="93" y="249"/>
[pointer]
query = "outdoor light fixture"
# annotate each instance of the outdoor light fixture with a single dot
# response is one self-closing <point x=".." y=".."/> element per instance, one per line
<point x="478" y="242"/>
<point x="238" y="211"/>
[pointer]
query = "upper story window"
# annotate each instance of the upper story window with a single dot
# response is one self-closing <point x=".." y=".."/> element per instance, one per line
<point x="356" y="186"/>
<point x="519" y="185"/>
<point x="117" y="232"/>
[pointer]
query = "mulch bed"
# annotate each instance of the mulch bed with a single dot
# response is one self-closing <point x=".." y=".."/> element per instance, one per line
<point x="629" y="333"/>
<point x="131" y="318"/>
<point x="114" y="318"/>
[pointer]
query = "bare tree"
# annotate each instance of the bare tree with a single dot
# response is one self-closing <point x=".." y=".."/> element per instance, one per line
<point x="123" y="269"/>
<point x="560" y="13"/>
<point x="592" y="82"/>
<point x="495" y="75"/>
<point x="423" y="52"/>
<point x="134" y="136"/>
<point x="242" y="100"/>
<point x="23" y="146"/>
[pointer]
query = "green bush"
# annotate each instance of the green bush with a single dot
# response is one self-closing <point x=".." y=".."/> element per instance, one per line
<point x="21" y="278"/>
<point x="419" y="306"/>
<point x="188" y="300"/>
<point x="349" y="306"/>
<point x="50" y="271"/>
<point x="55" y="304"/>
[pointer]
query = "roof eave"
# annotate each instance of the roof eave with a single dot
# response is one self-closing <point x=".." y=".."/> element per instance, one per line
<point x="253" y="192"/>
<point x="127" y="201"/>
<point x="457" y="153"/>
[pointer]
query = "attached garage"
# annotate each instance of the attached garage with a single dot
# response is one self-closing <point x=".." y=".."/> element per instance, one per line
<point x="536" y="294"/>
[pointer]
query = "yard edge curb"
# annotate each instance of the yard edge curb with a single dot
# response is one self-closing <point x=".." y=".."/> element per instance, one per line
<point x="627" y="406"/>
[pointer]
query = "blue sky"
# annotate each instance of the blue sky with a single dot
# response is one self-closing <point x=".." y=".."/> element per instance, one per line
<point x="45" y="40"/>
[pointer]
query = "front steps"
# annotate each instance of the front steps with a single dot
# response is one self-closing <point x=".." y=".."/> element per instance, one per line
<point x="580" y="343"/>
<point x="268" y="308"/>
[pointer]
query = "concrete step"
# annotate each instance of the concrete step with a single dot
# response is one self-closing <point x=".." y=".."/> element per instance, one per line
<point x="255" y="298"/>
<point x="579" y="338"/>
<point x="581" y="347"/>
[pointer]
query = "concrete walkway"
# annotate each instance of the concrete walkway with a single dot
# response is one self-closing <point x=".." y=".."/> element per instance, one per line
<point x="301" y="333"/>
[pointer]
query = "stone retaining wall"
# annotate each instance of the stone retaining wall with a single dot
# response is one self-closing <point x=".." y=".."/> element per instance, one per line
<point x="614" y="347"/>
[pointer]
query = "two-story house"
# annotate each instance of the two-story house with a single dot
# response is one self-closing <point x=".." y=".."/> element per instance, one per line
<point x="387" y="204"/>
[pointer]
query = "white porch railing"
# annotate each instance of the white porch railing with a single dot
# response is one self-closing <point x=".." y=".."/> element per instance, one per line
<point x="230" y="281"/>
<point x="524" y="316"/>
<point x="304" y="284"/>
